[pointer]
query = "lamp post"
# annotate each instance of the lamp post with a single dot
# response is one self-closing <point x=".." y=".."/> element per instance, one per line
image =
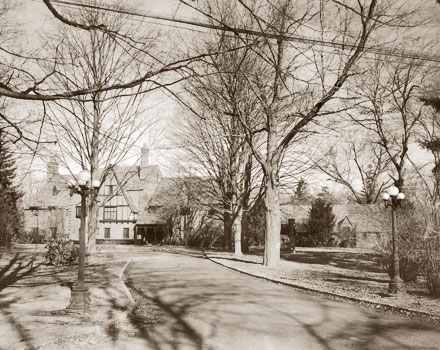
<point x="393" y="199"/>
<point x="80" y="295"/>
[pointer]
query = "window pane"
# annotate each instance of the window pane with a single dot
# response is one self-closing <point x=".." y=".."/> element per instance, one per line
<point x="110" y="213"/>
<point x="107" y="232"/>
<point x="125" y="232"/>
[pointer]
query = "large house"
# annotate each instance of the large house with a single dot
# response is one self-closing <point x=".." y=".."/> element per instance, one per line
<point x="125" y="214"/>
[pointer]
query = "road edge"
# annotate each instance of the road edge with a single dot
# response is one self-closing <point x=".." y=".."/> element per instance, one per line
<point x="130" y="298"/>
<point x="433" y="318"/>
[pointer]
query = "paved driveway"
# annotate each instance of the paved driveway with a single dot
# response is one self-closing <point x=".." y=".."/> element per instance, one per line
<point x="211" y="307"/>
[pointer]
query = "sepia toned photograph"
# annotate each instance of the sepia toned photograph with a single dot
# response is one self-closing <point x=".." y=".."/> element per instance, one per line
<point x="220" y="174"/>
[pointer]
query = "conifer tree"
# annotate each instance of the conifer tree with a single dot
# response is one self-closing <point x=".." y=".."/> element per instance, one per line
<point x="10" y="213"/>
<point x="321" y="221"/>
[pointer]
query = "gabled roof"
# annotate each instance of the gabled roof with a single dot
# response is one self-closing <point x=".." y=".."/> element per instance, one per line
<point x="180" y="191"/>
<point x="128" y="180"/>
<point x="146" y="218"/>
<point x="54" y="193"/>
<point x="127" y="197"/>
<point x="364" y="217"/>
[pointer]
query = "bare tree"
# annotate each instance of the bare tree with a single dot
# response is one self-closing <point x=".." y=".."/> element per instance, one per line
<point x="212" y="135"/>
<point x="99" y="129"/>
<point x="293" y="81"/>
<point x="359" y="165"/>
<point x="218" y="151"/>
<point x="22" y="77"/>
<point x="392" y="109"/>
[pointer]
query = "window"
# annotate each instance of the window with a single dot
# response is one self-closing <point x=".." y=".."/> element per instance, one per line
<point x="78" y="211"/>
<point x="110" y="213"/>
<point x="107" y="232"/>
<point x="53" y="232"/>
<point x="108" y="190"/>
<point x="125" y="232"/>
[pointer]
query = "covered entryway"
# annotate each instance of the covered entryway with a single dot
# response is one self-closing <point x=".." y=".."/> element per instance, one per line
<point x="150" y="229"/>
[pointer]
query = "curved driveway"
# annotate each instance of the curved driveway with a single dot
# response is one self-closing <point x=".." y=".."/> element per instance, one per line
<point x="210" y="307"/>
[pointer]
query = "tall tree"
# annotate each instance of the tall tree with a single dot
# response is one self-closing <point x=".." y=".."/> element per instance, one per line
<point x="10" y="214"/>
<point x="99" y="129"/>
<point x="214" y="138"/>
<point x="295" y="77"/>
<point x="321" y="221"/>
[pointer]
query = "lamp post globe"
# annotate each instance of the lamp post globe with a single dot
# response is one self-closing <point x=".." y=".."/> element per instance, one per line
<point x="72" y="183"/>
<point x="401" y="196"/>
<point x="83" y="177"/>
<point x="96" y="183"/>
<point x="393" y="191"/>
<point x="386" y="197"/>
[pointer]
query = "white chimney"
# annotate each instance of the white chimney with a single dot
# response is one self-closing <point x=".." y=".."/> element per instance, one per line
<point x="52" y="167"/>
<point x="144" y="156"/>
<point x="144" y="162"/>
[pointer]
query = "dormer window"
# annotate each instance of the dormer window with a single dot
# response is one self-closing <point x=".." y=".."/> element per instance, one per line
<point x="55" y="191"/>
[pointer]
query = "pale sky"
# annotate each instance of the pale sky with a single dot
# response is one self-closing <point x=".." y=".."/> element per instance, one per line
<point x="35" y="19"/>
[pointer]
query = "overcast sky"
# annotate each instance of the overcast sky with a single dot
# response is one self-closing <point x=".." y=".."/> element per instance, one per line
<point x="36" y="19"/>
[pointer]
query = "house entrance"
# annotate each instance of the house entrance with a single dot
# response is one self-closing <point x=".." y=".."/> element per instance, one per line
<point x="150" y="234"/>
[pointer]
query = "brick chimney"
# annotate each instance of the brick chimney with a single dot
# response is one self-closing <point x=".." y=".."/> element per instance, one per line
<point x="144" y="162"/>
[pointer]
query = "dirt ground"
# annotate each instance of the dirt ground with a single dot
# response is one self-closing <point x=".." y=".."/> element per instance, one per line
<point x="348" y="272"/>
<point x="34" y="296"/>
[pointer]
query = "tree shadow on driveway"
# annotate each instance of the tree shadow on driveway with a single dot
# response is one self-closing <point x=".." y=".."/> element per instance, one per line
<point x="213" y="305"/>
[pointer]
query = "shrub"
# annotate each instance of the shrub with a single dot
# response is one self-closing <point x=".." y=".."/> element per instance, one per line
<point x="408" y="267"/>
<point x="410" y="231"/>
<point x="431" y="265"/>
<point x="34" y="237"/>
<point x="61" y="251"/>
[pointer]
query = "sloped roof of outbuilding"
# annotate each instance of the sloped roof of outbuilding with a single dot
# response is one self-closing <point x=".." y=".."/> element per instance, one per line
<point x="365" y="218"/>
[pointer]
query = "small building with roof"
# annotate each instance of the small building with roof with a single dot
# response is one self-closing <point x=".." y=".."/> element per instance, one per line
<point x="359" y="225"/>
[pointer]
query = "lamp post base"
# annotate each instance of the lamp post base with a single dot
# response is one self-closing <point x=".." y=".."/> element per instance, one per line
<point x="396" y="286"/>
<point x="79" y="299"/>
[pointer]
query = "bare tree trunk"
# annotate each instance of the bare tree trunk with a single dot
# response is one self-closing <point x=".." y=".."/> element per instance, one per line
<point x="245" y="205"/>
<point x="236" y="228"/>
<point x="227" y="230"/>
<point x="94" y="165"/>
<point x="92" y="224"/>
<point x="245" y="231"/>
<point x="273" y="222"/>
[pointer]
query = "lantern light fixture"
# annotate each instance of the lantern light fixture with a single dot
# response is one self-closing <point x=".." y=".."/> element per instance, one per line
<point x="83" y="177"/>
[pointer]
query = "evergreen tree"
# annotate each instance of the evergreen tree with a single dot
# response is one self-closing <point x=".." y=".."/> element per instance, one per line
<point x="10" y="213"/>
<point x="321" y="221"/>
<point x="301" y="189"/>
